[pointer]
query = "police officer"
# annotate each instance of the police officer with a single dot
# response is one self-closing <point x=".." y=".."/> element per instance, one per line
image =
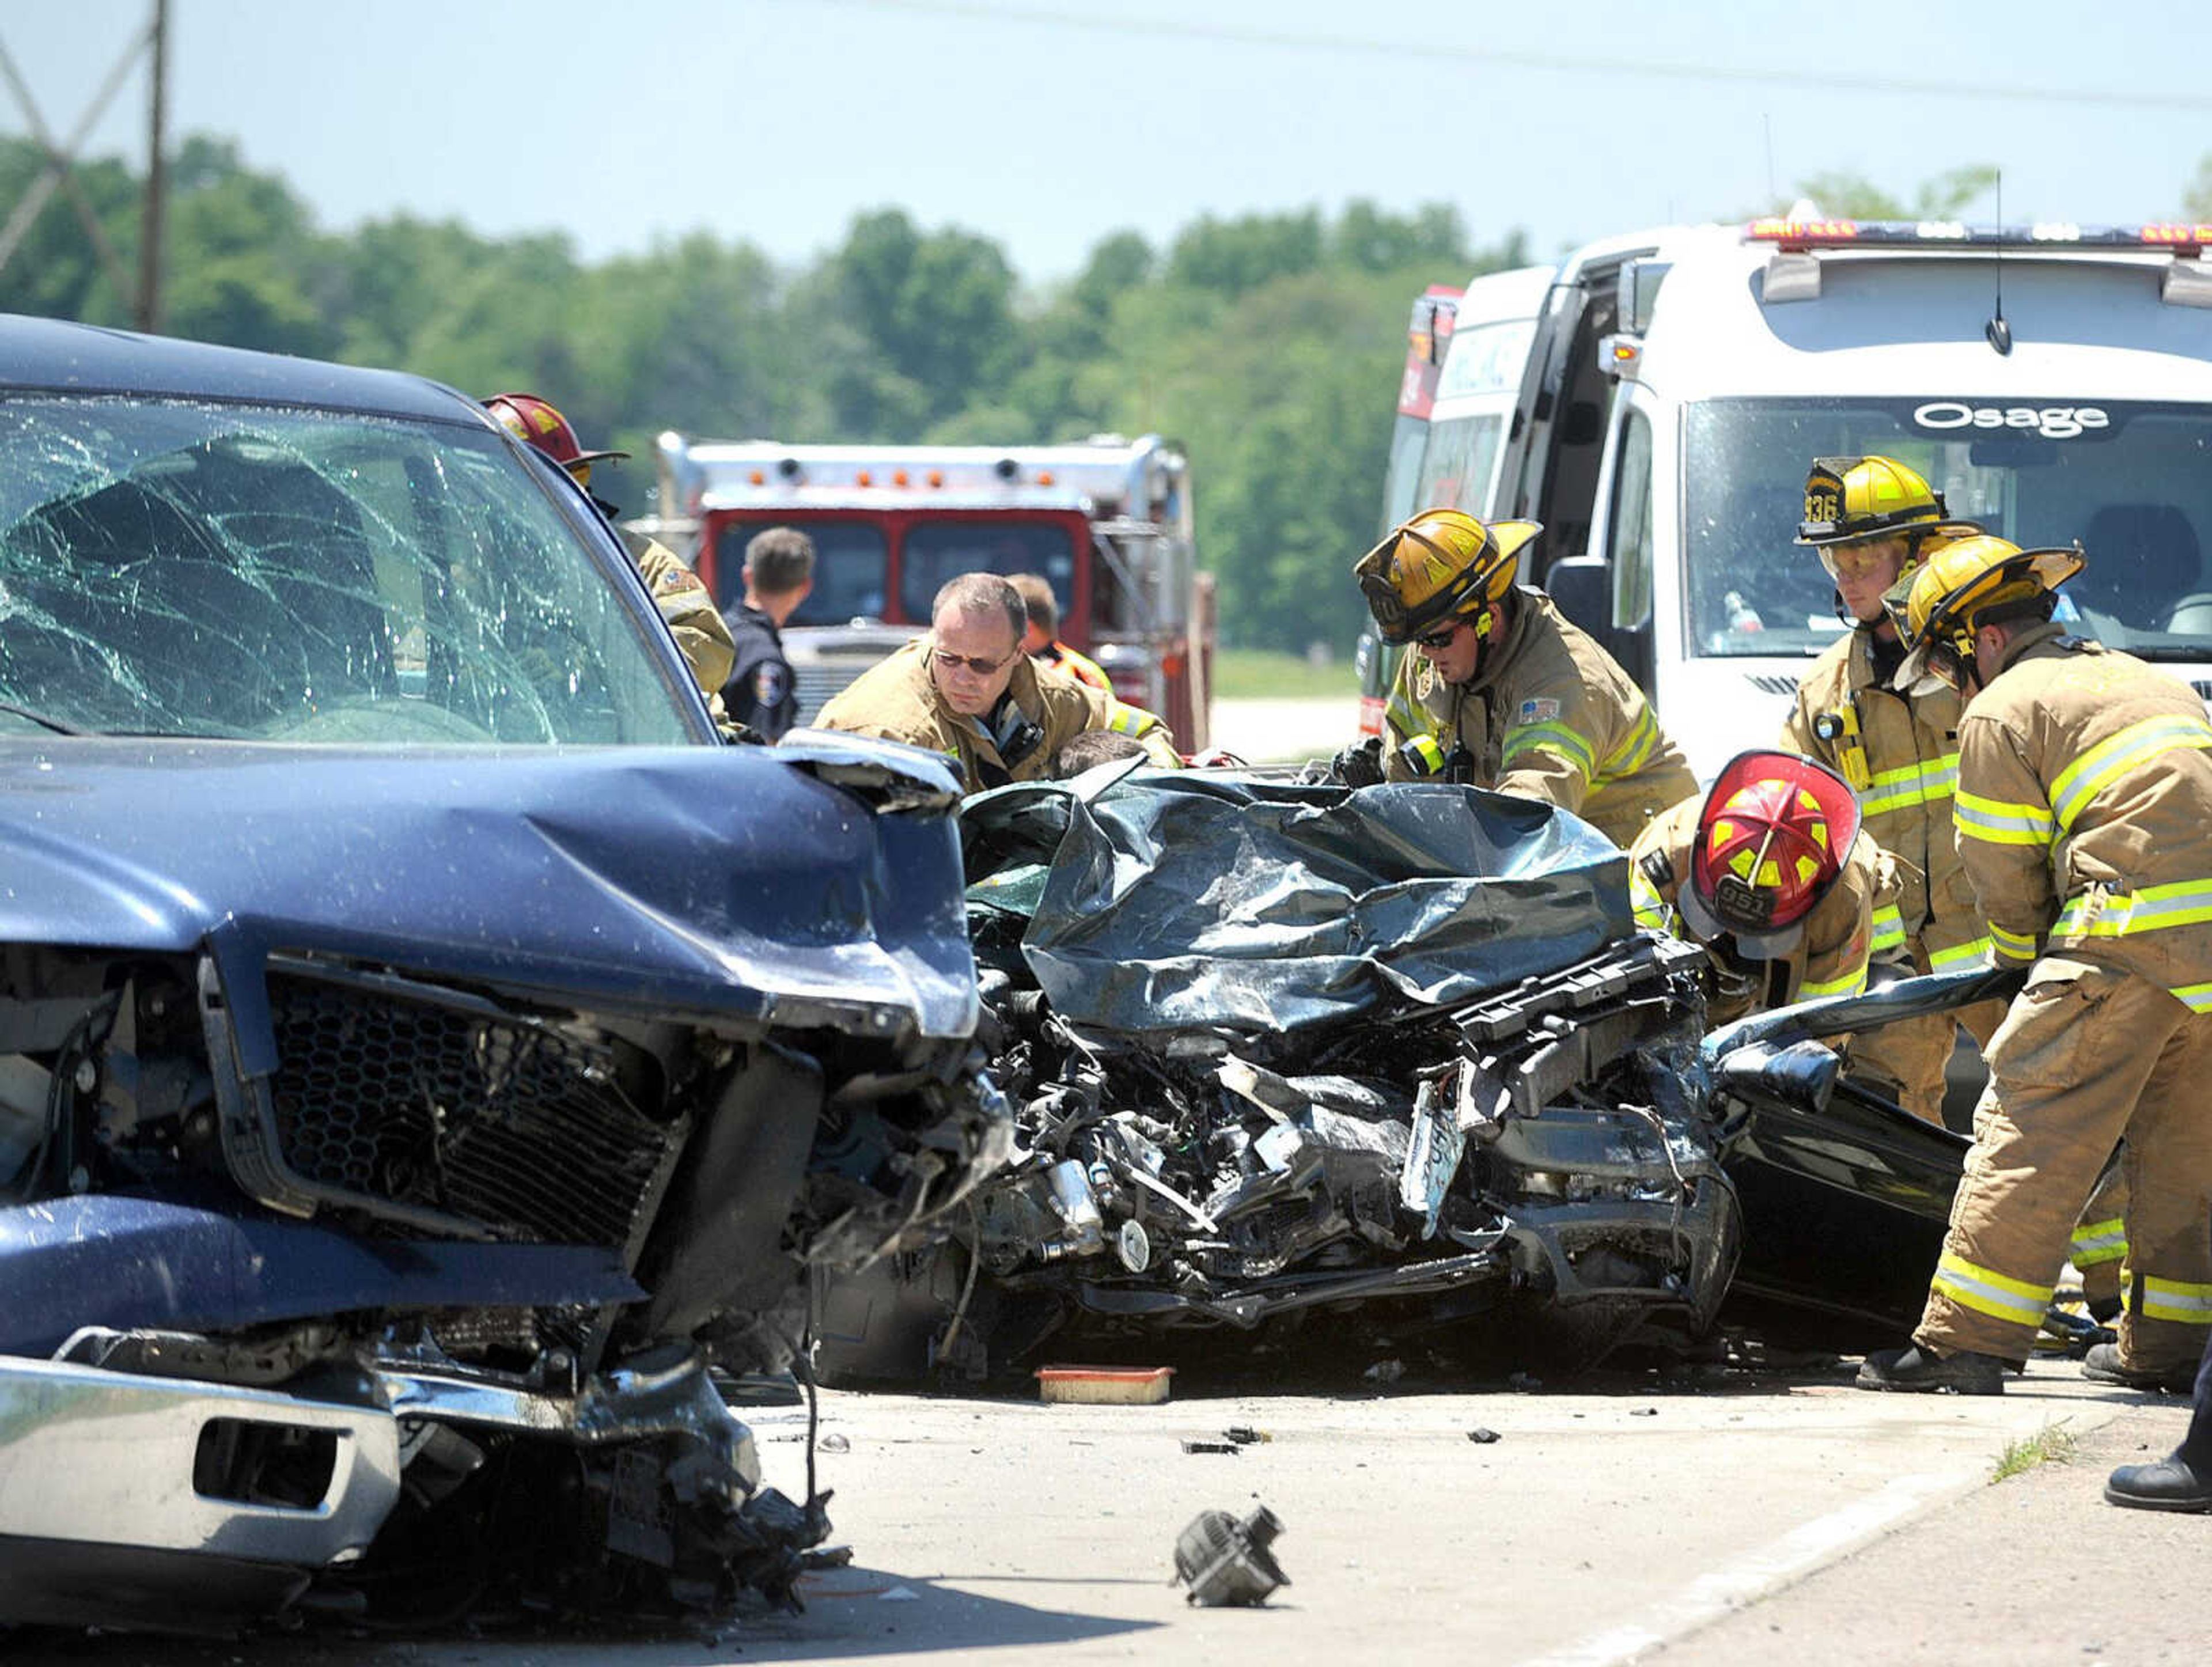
<point x="778" y="575"/>
<point x="685" y="607"/>
<point x="1041" y="641"/>
<point x="1502" y="691"/>
<point x="2085" y="786"/>
<point x="1871" y="519"/>
<point x="968" y="688"/>
<point x="1770" y="872"/>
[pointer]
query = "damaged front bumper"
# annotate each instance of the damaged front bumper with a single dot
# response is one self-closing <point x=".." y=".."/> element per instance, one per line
<point x="128" y="1501"/>
<point x="115" y="1508"/>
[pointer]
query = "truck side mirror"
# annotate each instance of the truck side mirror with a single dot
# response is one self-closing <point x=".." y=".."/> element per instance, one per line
<point x="1580" y="586"/>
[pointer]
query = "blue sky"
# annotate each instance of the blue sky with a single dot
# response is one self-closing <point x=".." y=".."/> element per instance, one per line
<point x="1047" y="123"/>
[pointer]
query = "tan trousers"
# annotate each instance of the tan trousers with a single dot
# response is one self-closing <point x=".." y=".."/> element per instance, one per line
<point x="2089" y="1051"/>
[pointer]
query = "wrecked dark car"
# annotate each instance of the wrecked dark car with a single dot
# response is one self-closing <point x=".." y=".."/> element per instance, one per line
<point x="1279" y="1050"/>
<point x="425" y="1051"/>
<point x="1845" y="1194"/>
<point x="1396" y="1058"/>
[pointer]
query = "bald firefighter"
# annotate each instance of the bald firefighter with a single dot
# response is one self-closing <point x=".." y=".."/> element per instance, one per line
<point x="1871" y="520"/>
<point x="1501" y="690"/>
<point x="2085" y="787"/>
<point x="686" y="608"/>
<point x="968" y="688"/>
<point x="1770" y="873"/>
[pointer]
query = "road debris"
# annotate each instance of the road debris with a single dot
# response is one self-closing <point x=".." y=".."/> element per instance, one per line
<point x="1483" y="1435"/>
<point x="1104" y="1386"/>
<point x="1225" y="1562"/>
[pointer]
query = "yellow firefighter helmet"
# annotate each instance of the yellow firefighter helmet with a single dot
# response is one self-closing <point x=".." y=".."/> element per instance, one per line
<point x="1439" y="564"/>
<point x="1970" y="582"/>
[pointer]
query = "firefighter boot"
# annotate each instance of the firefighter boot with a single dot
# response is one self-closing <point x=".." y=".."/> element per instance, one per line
<point x="2102" y="1365"/>
<point x="1922" y="1371"/>
<point x="2171" y="1484"/>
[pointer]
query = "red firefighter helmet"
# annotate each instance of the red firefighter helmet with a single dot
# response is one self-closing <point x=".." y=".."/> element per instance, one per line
<point x="1771" y="839"/>
<point x="527" y="417"/>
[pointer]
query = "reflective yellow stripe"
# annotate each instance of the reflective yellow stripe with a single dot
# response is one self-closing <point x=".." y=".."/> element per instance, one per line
<point x="1553" y="738"/>
<point x="1853" y="982"/>
<point x="2179" y="902"/>
<point x="2011" y="948"/>
<point x="1920" y="783"/>
<point x="2197" y="998"/>
<point x="1999" y="822"/>
<point x="1632" y="754"/>
<point x="1644" y="901"/>
<point x="1403" y="715"/>
<point x="1129" y="719"/>
<point x="2114" y="755"/>
<point x="2096" y="1242"/>
<point x="1888" y="929"/>
<point x="1991" y="1294"/>
<point x="1959" y="956"/>
<point x="2171" y="1299"/>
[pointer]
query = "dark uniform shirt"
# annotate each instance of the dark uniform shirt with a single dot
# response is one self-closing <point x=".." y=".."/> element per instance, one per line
<point x="760" y="691"/>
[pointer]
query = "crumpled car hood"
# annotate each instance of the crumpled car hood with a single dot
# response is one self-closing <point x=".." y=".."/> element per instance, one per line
<point x="1179" y="900"/>
<point x="720" y="881"/>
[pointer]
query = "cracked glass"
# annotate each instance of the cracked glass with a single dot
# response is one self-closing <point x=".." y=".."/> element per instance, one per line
<point x="178" y="568"/>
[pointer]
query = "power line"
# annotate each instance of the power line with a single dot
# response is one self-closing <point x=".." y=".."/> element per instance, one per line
<point x="1953" y="90"/>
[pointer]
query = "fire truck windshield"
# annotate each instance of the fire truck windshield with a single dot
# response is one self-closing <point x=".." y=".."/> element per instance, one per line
<point x="935" y="550"/>
<point x="851" y="565"/>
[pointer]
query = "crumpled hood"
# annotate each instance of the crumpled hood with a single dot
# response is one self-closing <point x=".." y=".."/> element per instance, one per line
<point x="1175" y="900"/>
<point x="737" y="881"/>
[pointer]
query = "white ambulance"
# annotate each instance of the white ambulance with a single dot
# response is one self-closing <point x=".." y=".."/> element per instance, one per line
<point x="2054" y="382"/>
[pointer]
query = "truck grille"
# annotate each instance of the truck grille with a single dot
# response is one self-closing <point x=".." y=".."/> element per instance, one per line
<point x="422" y="1111"/>
<point x="817" y="681"/>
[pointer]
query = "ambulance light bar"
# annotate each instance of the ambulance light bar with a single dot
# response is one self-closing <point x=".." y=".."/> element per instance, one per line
<point x="2177" y="238"/>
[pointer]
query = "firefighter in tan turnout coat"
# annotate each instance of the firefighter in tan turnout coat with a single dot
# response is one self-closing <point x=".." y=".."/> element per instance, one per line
<point x="1770" y="872"/>
<point x="1871" y="519"/>
<point x="968" y="688"/>
<point x="1502" y="692"/>
<point x="2085" y="792"/>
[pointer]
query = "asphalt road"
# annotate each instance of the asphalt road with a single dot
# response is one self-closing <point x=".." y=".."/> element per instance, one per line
<point x="1732" y="1519"/>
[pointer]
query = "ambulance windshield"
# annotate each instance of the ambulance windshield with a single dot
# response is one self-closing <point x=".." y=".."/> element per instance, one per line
<point x="2131" y="481"/>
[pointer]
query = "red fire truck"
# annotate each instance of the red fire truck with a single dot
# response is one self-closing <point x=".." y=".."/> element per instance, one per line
<point x="1107" y="521"/>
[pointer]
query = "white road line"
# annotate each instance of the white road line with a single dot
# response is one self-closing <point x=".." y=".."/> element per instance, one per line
<point x="1769" y="1568"/>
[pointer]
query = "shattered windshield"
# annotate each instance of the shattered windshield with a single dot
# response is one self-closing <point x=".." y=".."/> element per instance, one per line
<point x="2132" y="481"/>
<point x="176" y="569"/>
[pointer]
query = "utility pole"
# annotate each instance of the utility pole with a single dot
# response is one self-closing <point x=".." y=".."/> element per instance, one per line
<point x="149" y="225"/>
<point x="59" y="174"/>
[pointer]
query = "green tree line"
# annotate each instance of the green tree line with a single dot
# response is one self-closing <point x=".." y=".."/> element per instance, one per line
<point x="1270" y="345"/>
